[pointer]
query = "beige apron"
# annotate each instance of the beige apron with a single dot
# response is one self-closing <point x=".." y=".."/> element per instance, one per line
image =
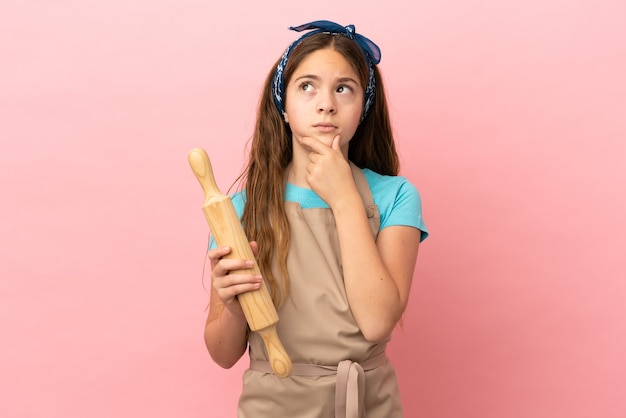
<point x="335" y="368"/>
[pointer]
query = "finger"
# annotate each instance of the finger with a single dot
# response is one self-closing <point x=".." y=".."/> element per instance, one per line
<point x="238" y="289"/>
<point x="227" y="265"/>
<point x="255" y="247"/>
<point x="336" y="144"/>
<point x="234" y="284"/>
<point x="217" y="253"/>
<point x="313" y="144"/>
<point x="241" y="280"/>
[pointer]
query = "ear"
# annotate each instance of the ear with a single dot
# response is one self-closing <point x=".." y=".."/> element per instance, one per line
<point x="286" y="117"/>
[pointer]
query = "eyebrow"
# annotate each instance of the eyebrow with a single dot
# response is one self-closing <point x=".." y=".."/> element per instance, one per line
<point x="339" y="80"/>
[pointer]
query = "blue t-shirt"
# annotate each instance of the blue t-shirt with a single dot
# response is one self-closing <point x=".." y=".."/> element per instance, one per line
<point x="399" y="203"/>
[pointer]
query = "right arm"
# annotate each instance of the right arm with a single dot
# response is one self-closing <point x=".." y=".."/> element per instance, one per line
<point x="226" y="329"/>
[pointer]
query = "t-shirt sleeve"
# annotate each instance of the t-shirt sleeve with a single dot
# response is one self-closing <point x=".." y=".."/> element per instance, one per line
<point x="405" y="209"/>
<point x="398" y="200"/>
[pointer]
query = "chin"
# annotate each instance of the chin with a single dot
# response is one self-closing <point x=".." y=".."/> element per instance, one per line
<point x="326" y="138"/>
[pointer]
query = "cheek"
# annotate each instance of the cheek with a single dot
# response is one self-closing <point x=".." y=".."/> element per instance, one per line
<point x="296" y="110"/>
<point x="356" y="113"/>
<point x="291" y="109"/>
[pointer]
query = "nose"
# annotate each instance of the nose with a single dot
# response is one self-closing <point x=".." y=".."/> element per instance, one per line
<point x="326" y="103"/>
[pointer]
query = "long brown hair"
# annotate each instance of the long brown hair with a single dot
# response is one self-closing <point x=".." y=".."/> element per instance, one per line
<point x="271" y="151"/>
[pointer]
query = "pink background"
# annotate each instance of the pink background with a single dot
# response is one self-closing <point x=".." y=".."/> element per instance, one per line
<point x="510" y="119"/>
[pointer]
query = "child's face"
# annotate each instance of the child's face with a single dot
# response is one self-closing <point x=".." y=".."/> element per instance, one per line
<point x="324" y="98"/>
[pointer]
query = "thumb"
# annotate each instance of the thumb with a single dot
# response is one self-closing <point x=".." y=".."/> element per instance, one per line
<point x="254" y="246"/>
<point x="335" y="144"/>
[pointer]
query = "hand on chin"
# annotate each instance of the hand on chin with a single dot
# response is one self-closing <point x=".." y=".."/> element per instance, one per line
<point x="326" y="139"/>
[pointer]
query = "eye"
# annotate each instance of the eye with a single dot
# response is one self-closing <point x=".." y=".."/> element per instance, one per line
<point x="305" y="86"/>
<point x="344" y="89"/>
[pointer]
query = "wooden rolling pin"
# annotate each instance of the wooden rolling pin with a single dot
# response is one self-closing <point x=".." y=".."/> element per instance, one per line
<point x="227" y="230"/>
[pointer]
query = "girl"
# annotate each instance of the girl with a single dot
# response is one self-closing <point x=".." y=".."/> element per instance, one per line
<point x="335" y="232"/>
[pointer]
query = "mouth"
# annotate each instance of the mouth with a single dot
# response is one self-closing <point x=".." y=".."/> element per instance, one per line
<point x="325" y="127"/>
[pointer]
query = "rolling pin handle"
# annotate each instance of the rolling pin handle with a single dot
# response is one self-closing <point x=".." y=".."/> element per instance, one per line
<point x="278" y="358"/>
<point x="201" y="167"/>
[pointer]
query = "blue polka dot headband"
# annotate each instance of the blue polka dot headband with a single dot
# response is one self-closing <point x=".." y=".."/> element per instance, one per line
<point x="370" y="50"/>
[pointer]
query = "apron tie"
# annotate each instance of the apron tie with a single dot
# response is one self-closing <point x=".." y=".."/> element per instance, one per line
<point x="349" y="390"/>
<point x="350" y="385"/>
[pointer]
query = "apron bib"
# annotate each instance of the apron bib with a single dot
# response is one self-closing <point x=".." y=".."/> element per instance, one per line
<point x="335" y="368"/>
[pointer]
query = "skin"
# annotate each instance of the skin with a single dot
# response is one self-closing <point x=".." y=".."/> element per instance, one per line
<point x="324" y="102"/>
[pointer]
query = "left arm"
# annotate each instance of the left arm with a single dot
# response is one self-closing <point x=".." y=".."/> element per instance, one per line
<point x="377" y="273"/>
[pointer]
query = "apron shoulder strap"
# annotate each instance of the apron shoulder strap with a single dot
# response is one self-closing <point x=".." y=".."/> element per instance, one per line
<point x="362" y="186"/>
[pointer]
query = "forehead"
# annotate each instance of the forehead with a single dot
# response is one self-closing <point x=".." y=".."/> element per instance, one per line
<point x="326" y="61"/>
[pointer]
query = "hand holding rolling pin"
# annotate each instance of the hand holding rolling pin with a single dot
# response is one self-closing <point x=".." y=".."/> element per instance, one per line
<point x="230" y="277"/>
<point x="226" y="228"/>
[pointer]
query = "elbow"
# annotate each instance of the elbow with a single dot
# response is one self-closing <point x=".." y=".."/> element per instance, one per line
<point x="378" y="328"/>
<point x="223" y="357"/>
<point x="224" y="363"/>
<point x="225" y="360"/>
<point x="375" y="338"/>
<point x="376" y="333"/>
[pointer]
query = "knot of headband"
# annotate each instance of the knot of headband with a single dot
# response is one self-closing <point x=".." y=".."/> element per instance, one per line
<point x="370" y="50"/>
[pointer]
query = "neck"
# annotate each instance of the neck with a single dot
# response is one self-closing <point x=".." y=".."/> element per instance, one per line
<point x="296" y="172"/>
